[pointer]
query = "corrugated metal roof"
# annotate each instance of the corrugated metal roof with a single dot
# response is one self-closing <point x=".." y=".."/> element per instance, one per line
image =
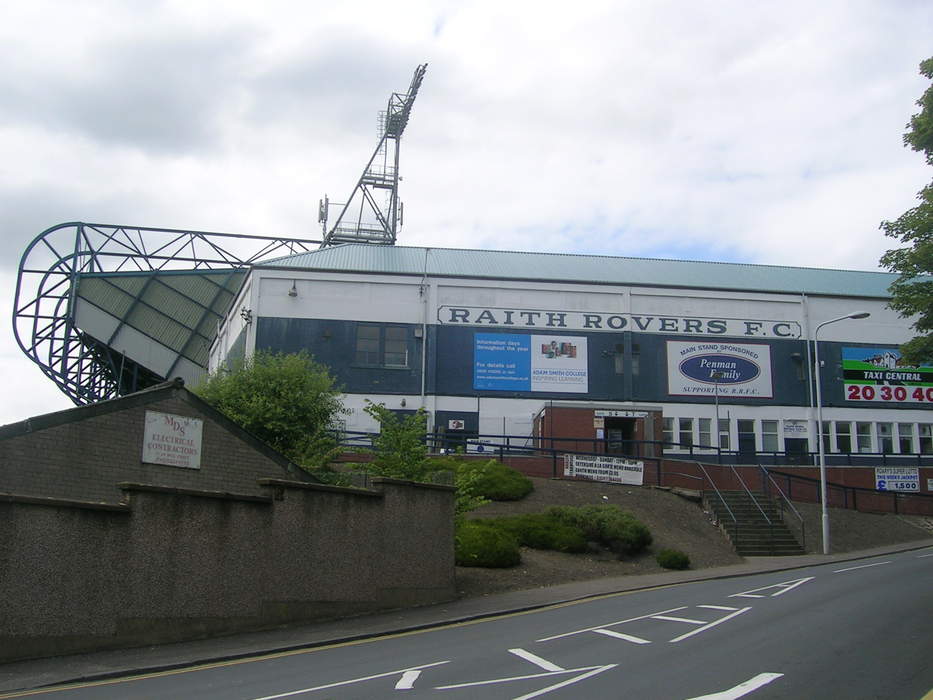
<point x="561" y="267"/>
<point x="176" y="308"/>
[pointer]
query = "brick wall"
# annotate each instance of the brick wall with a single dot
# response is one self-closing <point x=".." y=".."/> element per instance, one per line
<point x="173" y="564"/>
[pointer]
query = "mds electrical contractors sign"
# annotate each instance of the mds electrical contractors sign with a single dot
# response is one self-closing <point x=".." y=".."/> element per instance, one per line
<point x="729" y="369"/>
<point x="880" y="374"/>
<point x="511" y="362"/>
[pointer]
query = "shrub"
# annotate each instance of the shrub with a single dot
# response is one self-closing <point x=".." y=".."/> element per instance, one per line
<point x="496" y="481"/>
<point x="479" y="544"/>
<point x="672" y="559"/>
<point x="608" y="525"/>
<point x="540" y="531"/>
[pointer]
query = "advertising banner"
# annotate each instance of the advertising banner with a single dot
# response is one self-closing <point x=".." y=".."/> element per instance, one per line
<point x="615" y="470"/>
<point x="508" y="362"/>
<point x="173" y="441"/>
<point x="879" y="374"/>
<point x="897" y="479"/>
<point x="729" y="369"/>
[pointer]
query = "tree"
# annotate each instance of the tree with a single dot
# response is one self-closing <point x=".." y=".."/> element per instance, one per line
<point x="400" y="449"/>
<point x="912" y="292"/>
<point x="288" y="401"/>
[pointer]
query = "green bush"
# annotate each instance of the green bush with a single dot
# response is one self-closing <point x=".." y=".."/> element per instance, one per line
<point x="608" y="525"/>
<point x="479" y="544"/>
<point x="496" y="481"/>
<point x="540" y="531"/>
<point x="672" y="559"/>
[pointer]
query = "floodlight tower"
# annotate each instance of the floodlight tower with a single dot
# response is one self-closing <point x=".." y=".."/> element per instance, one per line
<point x="373" y="212"/>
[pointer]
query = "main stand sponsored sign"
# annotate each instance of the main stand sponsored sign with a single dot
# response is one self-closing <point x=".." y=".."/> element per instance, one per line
<point x="174" y="441"/>
<point x="723" y="369"/>
<point x="511" y="362"/>
<point x="897" y="479"/>
<point x="880" y="374"/>
<point x="615" y="470"/>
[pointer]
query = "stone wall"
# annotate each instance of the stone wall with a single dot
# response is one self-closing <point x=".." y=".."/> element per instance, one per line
<point x="83" y="453"/>
<point x="171" y="563"/>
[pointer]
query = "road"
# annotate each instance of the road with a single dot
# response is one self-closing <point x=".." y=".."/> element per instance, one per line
<point x="861" y="629"/>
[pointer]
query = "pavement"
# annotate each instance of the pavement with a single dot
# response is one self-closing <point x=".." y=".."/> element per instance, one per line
<point x="21" y="675"/>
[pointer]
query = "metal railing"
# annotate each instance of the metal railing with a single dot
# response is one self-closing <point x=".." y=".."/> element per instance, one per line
<point x="735" y="521"/>
<point x="784" y="499"/>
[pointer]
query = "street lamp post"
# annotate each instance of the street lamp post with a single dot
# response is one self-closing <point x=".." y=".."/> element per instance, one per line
<point x="716" y="376"/>
<point x="819" y="422"/>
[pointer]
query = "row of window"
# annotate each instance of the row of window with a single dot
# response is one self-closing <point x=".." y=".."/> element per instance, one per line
<point x="763" y="435"/>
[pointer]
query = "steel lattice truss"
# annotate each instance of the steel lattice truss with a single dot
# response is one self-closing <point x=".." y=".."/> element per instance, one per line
<point x="373" y="213"/>
<point x="87" y="369"/>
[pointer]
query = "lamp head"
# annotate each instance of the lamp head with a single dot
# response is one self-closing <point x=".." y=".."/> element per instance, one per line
<point x="859" y="314"/>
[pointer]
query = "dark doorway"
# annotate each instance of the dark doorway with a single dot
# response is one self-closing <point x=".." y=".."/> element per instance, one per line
<point x="620" y="436"/>
<point x="796" y="451"/>
<point x="746" y="430"/>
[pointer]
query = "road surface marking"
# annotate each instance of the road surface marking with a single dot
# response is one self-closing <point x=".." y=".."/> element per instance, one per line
<point x="782" y="589"/>
<point x="678" y="619"/>
<point x="625" y="637"/>
<point x="863" y="566"/>
<point x="717" y="607"/>
<point x="924" y="556"/>
<point x="536" y="660"/>
<point x="403" y="671"/>
<point x="611" y="624"/>
<point x="710" y="625"/>
<point x="741" y="689"/>
<point x="588" y="671"/>
<point x="407" y="681"/>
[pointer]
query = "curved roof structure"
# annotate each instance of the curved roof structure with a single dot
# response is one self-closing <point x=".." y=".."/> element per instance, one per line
<point x="106" y="310"/>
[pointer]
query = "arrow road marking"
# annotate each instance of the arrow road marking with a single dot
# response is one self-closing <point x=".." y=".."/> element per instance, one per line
<point x="599" y="628"/>
<point x="741" y="689"/>
<point x="710" y="625"/>
<point x="782" y="589"/>
<point x="587" y="672"/>
<point x="406" y="674"/>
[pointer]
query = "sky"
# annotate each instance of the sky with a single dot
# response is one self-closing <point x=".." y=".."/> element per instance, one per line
<point x="726" y="130"/>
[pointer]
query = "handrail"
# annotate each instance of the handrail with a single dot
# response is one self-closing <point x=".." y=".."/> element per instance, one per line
<point x="712" y="483"/>
<point x="758" y="506"/>
<point x="803" y="526"/>
<point x="751" y="495"/>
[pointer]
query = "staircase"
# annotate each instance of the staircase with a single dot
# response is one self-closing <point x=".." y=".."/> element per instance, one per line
<point x="745" y="523"/>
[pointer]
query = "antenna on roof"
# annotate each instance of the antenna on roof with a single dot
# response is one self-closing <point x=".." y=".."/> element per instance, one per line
<point x="373" y="213"/>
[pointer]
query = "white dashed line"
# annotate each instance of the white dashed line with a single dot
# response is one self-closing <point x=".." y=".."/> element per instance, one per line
<point x="741" y="689"/>
<point x="536" y="660"/>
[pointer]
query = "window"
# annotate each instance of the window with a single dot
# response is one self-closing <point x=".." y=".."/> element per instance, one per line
<point x="686" y="432"/>
<point x="885" y="438"/>
<point x="905" y="438"/>
<point x="367" y="345"/>
<point x="926" y="438"/>
<point x="636" y="362"/>
<point x="668" y="436"/>
<point x="396" y="347"/>
<point x="705" y="438"/>
<point x="843" y="436"/>
<point x="618" y="359"/>
<point x="746" y="431"/>
<point x="827" y="447"/>
<point x="863" y="436"/>
<point x="381" y="346"/>
<point x="769" y="436"/>
<point x="724" y="433"/>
